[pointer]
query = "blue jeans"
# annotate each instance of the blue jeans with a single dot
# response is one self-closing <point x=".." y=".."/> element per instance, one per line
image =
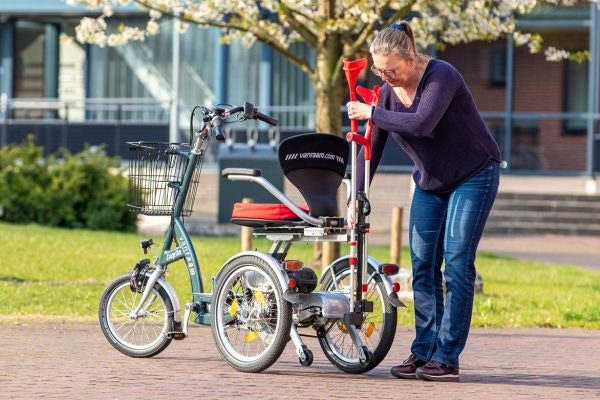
<point x="447" y="227"/>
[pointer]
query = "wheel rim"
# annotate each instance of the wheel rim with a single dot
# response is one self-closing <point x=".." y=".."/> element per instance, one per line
<point x="248" y="315"/>
<point x="338" y="338"/>
<point x="145" y="331"/>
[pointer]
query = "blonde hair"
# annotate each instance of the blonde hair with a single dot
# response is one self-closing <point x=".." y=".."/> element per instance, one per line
<point x="396" y="39"/>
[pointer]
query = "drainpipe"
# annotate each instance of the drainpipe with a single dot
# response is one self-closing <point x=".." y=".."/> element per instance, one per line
<point x="591" y="186"/>
<point x="174" y="135"/>
<point x="508" y="102"/>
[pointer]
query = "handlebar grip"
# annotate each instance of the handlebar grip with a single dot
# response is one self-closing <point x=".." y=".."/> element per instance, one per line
<point x="219" y="132"/>
<point x="267" y="119"/>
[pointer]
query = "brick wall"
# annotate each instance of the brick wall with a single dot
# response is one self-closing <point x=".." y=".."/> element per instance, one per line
<point x="538" y="87"/>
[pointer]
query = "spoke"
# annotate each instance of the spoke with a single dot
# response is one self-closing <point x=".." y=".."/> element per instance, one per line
<point x="119" y="313"/>
<point x="130" y="331"/>
<point x="119" y="326"/>
<point x="148" y="340"/>
<point x="124" y="301"/>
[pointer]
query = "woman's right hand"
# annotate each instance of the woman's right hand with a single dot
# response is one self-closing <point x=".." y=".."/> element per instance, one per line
<point x="358" y="110"/>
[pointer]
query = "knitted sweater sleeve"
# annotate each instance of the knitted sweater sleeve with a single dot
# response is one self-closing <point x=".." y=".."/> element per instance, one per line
<point x="439" y="89"/>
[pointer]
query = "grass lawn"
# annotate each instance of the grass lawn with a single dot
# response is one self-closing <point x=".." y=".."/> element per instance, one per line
<point x="50" y="273"/>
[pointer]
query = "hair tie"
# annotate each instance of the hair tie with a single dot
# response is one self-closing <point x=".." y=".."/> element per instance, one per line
<point x="398" y="26"/>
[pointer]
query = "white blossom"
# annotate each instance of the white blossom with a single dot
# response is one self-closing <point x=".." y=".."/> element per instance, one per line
<point x="107" y="11"/>
<point x="439" y="22"/>
<point x="152" y="28"/>
<point x="116" y="39"/>
<point x="154" y="14"/>
<point x="521" y="38"/>
<point x="554" y="54"/>
<point x="181" y="26"/>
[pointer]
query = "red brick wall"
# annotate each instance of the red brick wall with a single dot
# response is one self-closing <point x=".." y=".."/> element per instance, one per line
<point x="538" y="87"/>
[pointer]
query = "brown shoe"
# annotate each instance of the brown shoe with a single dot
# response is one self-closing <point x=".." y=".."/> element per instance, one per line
<point x="437" y="371"/>
<point x="407" y="369"/>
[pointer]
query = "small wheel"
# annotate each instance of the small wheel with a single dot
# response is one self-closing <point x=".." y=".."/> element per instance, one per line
<point x="377" y="331"/>
<point x="308" y="358"/>
<point x="144" y="336"/>
<point x="251" y="320"/>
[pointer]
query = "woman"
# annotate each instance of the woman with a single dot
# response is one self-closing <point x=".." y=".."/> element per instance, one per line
<point x="426" y="107"/>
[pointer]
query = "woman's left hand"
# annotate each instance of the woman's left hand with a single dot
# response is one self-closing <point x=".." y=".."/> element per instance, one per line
<point x="358" y="110"/>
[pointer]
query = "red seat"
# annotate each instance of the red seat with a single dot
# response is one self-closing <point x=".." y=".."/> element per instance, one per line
<point x="261" y="214"/>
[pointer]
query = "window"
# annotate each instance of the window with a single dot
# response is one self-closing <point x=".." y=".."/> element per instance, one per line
<point x="498" y="67"/>
<point x="575" y="95"/>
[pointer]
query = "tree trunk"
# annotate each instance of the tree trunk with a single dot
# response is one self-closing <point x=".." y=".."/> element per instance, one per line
<point x="329" y="94"/>
<point x="329" y="91"/>
<point x="328" y="100"/>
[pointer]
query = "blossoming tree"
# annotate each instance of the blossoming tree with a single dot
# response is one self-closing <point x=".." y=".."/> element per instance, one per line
<point x="335" y="29"/>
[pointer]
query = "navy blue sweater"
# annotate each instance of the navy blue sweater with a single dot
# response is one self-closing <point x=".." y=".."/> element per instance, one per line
<point x="442" y="131"/>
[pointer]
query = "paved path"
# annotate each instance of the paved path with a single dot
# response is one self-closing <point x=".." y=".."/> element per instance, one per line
<point x="74" y="361"/>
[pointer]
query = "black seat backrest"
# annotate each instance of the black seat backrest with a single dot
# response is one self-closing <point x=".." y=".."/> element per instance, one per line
<point x="315" y="163"/>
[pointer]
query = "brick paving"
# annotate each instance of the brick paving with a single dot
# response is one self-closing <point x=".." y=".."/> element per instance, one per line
<point x="74" y="361"/>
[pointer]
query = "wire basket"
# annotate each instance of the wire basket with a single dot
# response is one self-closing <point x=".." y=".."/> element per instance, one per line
<point x="156" y="171"/>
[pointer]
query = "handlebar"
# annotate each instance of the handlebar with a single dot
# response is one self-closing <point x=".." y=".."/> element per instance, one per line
<point x="215" y="118"/>
<point x="265" y="118"/>
<point x="251" y="112"/>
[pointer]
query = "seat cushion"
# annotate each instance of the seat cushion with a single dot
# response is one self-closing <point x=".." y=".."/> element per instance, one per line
<point x="261" y="214"/>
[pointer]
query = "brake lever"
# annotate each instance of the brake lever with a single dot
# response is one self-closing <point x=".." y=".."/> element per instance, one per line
<point x="249" y="111"/>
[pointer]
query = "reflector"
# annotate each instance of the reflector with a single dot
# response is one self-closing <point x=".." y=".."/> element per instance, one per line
<point x="389" y="269"/>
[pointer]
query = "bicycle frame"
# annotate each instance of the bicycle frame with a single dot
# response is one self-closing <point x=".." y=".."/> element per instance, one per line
<point x="184" y="248"/>
<point x="212" y="125"/>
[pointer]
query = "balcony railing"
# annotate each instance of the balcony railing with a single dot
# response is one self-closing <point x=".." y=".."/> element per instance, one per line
<point x="540" y="142"/>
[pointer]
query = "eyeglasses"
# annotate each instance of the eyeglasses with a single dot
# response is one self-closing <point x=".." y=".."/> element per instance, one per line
<point x="390" y="73"/>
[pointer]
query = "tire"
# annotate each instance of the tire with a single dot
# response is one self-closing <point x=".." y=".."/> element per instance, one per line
<point x="142" y="337"/>
<point x="377" y="331"/>
<point x="251" y="320"/>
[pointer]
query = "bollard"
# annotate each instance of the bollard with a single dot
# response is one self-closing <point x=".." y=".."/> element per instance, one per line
<point x="246" y="231"/>
<point x="330" y="253"/>
<point x="317" y="254"/>
<point x="396" y="236"/>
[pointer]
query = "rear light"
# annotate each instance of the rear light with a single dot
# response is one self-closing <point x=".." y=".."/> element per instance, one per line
<point x="365" y="287"/>
<point x="389" y="269"/>
<point x="293" y="265"/>
<point x="396" y="287"/>
<point x="291" y="283"/>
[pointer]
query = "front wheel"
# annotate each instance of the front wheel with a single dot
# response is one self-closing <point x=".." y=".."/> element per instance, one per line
<point x="377" y="330"/>
<point x="143" y="336"/>
<point x="251" y="320"/>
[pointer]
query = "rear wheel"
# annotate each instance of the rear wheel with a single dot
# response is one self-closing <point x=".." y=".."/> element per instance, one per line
<point x="251" y="320"/>
<point x="377" y="330"/>
<point x="143" y="336"/>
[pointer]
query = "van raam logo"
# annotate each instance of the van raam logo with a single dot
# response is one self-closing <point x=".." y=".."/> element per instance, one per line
<point x="325" y="156"/>
<point x="174" y="254"/>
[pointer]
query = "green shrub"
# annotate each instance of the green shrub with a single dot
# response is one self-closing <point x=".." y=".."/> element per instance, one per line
<point x="83" y="190"/>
